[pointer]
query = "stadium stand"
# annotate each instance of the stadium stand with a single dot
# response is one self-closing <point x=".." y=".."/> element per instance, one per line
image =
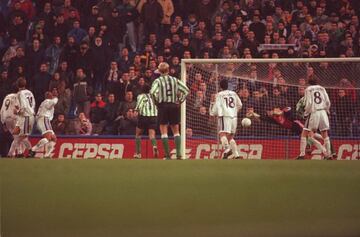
<point x="85" y="48"/>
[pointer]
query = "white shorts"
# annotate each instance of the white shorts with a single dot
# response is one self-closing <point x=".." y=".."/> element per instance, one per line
<point x="318" y="120"/>
<point x="10" y="124"/>
<point x="227" y="124"/>
<point x="25" y="123"/>
<point x="44" y="125"/>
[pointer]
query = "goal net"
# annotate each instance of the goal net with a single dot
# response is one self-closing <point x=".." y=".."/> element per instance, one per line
<point x="270" y="90"/>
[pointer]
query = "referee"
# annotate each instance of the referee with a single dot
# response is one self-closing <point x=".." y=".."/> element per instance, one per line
<point x="147" y="120"/>
<point x="169" y="92"/>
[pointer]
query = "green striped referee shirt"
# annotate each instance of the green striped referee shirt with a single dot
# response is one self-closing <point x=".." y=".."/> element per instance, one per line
<point x="146" y="106"/>
<point x="168" y="89"/>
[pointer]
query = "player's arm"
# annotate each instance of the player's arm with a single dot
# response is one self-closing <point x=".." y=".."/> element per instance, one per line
<point x="214" y="109"/>
<point x="22" y="103"/>
<point x="239" y="104"/>
<point x="307" y="102"/>
<point x="154" y="91"/>
<point x="184" y="91"/>
<point x="327" y="101"/>
<point x="139" y="103"/>
<point x="300" y="107"/>
<point x="49" y="104"/>
<point x="2" y="112"/>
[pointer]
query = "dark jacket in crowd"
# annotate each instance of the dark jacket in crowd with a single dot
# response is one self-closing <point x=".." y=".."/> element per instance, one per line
<point x="97" y="111"/>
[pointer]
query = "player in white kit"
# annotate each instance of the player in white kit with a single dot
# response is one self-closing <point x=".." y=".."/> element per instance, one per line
<point x="25" y="113"/>
<point x="317" y="108"/>
<point x="226" y="107"/>
<point x="9" y="109"/>
<point x="43" y="121"/>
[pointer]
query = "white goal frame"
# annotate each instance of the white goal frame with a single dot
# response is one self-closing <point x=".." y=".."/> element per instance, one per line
<point x="253" y="60"/>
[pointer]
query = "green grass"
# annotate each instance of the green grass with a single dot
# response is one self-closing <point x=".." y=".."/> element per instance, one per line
<point x="179" y="198"/>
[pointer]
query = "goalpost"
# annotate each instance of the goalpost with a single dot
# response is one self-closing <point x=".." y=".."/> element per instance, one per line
<point x="269" y="90"/>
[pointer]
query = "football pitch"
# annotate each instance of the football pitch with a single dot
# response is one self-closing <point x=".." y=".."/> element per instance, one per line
<point x="179" y="198"/>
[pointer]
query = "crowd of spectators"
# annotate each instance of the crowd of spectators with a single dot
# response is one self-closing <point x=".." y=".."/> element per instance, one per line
<point x="98" y="54"/>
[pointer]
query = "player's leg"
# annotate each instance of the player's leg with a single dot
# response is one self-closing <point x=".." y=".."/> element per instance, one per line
<point x="24" y="140"/>
<point x="15" y="143"/>
<point x="324" y="128"/>
<point x="164" y="121"/>
<point x="50" y="146"/>
<point x="174" y="121"/>
<point x="43" y="126"/>
<point x="224" y="129"/>
<point x="303" y="137"/>
<point x="317" y="144"/>
<point x="22" y="130"/>
<point x="24" y="134"/>
<point x="153" y="142"/>
<point x="138" y="133"/>
<point x="177" y="140"/>
<point x="47" y="137"/>
<point x="233" y="146"/>
<point x="225" y="144"/>
<point x="311" y="124"/>
<point x="165" y="140"/>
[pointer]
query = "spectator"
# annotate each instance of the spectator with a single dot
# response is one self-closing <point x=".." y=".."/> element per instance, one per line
<point x="168" y="11"/>
<point x="85" y="60"/>
<point x="196" y="84"/>
<point x="52" y="54"/>
<point x="116" y="29"/>
<point x="138" y="88"/>
<point x="70" y="53"/>
<point x="123" y="86"/>
<point x="55" y="81"/>
<point x="83" y="125"/>
<point x="35" y="55"/>
<point x="41" y="82"/>
<point x="124" y="60"/>
<point x="344" y="113"/>
<point x="81" y="93"/>
<point x="98" y="114"/>
<point x="203" y="128"/>
<point x="91" y="20"/>
<point x="129" y="15"/>
<point x="64" y="100"/>
<point x="128" y="103"/>
<point x="18" y="60"/>
<point x="101" y="59"/>
<point x="69" y="11"/>
<point x="10" y="53"/>
<point x="151" y="16"/>
<point x="60" y="27"/>
<point x="127" y="124"/>
<point x="111" y="110"/>
<point x="27" y="7"/>
<point x="17" y="28"/>
<point x="105" y="9"/>
<point x="77" y="32"/>
<point x="5" y="84"/>
<point x="59" y="125"/>
<point x="66" y="74"/>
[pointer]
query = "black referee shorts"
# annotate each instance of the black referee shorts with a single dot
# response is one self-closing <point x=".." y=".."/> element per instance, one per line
<point x="169" y="113"/>
<point x="147" y="122"/>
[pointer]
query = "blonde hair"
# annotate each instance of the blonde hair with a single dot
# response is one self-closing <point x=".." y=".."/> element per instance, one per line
<point x="163" y="68"/>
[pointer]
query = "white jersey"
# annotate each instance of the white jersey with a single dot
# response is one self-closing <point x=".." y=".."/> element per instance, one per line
<point x="27" y="103"/>
<point x="316" y="99"/>
<point x="10" y="104"/>
<point x="227" y="104"/>
<point x="46" y="108"/>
